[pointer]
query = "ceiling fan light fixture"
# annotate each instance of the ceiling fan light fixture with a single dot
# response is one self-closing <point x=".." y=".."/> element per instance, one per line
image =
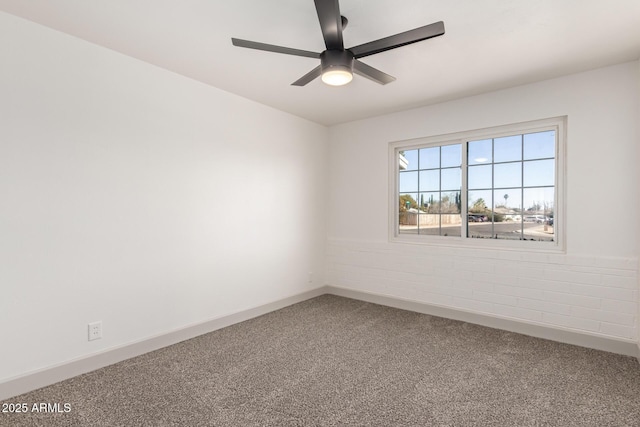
<point x="337" y="67"/>
<point x="337" y="76"/>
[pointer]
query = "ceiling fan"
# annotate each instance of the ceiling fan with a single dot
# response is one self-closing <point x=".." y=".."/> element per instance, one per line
<point x="338" y="64"/>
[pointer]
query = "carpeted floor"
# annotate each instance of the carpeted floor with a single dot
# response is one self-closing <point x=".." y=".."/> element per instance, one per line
<point x="334" y="361"/>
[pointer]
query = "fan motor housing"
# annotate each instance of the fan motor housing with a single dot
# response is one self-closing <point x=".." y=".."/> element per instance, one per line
<point x="336" y="60"/>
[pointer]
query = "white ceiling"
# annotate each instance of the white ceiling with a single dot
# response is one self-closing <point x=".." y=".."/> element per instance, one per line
<point x="488" y="45"/>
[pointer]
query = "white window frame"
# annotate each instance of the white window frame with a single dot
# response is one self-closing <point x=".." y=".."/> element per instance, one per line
<point x="559" y="124"/>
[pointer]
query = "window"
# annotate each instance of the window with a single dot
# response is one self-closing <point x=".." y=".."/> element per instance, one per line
<point x="501" y="184"/>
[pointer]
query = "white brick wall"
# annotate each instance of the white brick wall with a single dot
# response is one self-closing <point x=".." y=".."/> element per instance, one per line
<point x="588" y="294"/>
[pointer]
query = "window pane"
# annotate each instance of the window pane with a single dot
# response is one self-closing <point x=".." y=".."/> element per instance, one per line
<point x="429" y="224"/>
<point x="539" y="216"/>
<point x="430" y="158"/>
<point x="409" y="160"/>
<point x="539" y="172"/>
<point x="443" y="225"/>
<point x="538" y="231"/>
<point x="479" y="152"/>
<point x="408" y="201"/>
<point x="507" y="216"/>
<point x="507" y="149"/>
<point x="407" y="217"/>
<point x="507" y="175"/>
<point x="430" y="202"/>
<point x="408" y="182"/>
<point x="480" y="214"/>
<point x="450" y="203"/>
<point x="510" y="201"/>
<point x="451" y="179"/>
<point x="451" y="155"/>
<point x="538" y="201"/>
<point x="506" y="230"/>
<point x="430" y="180"/>
<point x="480" y="202"/>
<point x="479" y="177"/>
<point x="451" y="226"/>
<point x="540" y="145"/>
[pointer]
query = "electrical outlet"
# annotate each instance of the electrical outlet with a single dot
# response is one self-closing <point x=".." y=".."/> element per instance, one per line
<point x="310" y="277"/>
<point x="95" y="330"/>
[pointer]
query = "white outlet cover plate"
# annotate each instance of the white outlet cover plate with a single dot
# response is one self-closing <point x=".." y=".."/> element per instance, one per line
<point x="95" y="331"/>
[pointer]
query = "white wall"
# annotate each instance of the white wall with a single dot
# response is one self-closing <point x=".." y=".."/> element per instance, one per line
<point x="593" y="288"/>
<point x="140" y="198"/>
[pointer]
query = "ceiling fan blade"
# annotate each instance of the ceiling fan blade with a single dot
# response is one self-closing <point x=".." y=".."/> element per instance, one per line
<point x="330" y="23"/>
<point x="316" y="72"/>
<point x="273" y="48"/>
<point x="371" y="73"/>
<point x="402" y="39"/>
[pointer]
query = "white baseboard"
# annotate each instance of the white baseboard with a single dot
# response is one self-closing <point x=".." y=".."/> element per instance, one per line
<point x="582" y="339"/>
<point x="53" y="374"/>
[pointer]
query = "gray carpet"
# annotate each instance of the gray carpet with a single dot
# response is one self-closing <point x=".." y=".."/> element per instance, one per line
<point x="334" y="361"/>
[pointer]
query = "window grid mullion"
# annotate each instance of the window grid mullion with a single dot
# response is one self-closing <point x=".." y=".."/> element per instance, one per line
<point x="418" y="216"/>
<point x="464" y="184"/>
<point x="440" y="191"/>
<point x="493" y="186"/>
<point x="522" y="187"/>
